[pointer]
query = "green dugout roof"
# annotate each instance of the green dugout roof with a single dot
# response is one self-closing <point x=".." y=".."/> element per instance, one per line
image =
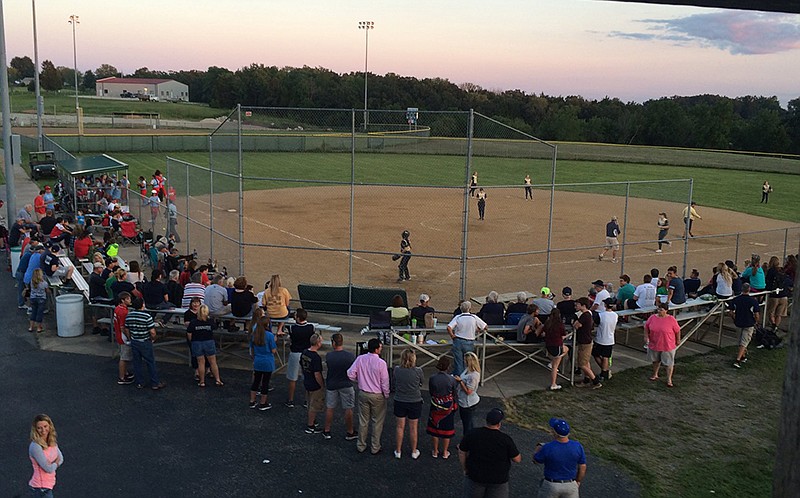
<point x="91" y="165"/>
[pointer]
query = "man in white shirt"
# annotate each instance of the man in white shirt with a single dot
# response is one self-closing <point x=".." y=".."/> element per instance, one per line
<point x="604" y="340"/>
<point x="643" y="296"/>
<point x="602" y="295"/>
<point x="463" y="330"/>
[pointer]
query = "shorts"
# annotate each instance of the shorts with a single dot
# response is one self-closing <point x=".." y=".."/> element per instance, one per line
<point x="411" y="411"/>
<point x="203" y="348"/>
<point x="346" y="397"/>
<point x="584" y="354"/>
<point x="667" y="358"/>
<point x="612" y="243"/>
<point x="125" y="352"/>
<point x="316" y="400"/>
<point x="602" y="351"/>
<point x="745" y="336"/>
<point x="293" y="367"/>
<point x="554" y="351"/>
<point x="777" y="306"/>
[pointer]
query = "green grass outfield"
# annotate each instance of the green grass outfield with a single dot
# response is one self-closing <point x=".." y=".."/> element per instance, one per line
<point x="64" y="103"/>
<point x="726" y="189"/>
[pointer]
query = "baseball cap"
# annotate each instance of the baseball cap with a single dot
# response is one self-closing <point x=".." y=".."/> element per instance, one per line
<point x="599" y="282"/>
<point x="47" y="187"/>
<point x="424" y="297"/>
<point x="560" y="426"/>
<point x="567" y="291"/>
<point x="545" y="291"/>
<point x="608" y="301"/>
<point x="98" y="264"/>
<point x="494" y="416"/>
<point x="154" y="191"/>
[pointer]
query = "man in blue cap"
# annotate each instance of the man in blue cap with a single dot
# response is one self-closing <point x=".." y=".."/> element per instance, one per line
<point x="564" y="463"/>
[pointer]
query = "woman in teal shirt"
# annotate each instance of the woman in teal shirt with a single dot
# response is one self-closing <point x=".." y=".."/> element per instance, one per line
<point x="755" y="274"/>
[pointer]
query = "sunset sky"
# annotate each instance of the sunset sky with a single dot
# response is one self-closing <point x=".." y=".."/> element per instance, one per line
<point x="557" y="47"/>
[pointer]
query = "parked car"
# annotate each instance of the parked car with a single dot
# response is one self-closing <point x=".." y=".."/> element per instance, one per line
<point x="127" y="95"/>
<point x="42" y="163"/>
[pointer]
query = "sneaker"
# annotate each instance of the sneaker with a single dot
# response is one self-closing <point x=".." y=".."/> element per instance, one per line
<point x="415" y="454"/>
<point x="252" y="404"/>
<point x="125" y="382"/>
<point x="289" y="404"/>
<point x="23" y="307"/>
<point x="312" y="430"/>
<point x="139" y="386"/>
<point x="129" y="376"/>
<point x="550" y="366"/>
<point x="264" y="407"/>
<point x="160" y="385"/>
<point x="736" y="364"/>
<point x="744" y="360"/>
<point x="555" y="387"/>
<point x="600" y="258"/>
<point x="305" y="405"/>
<point x="597" y="386"/>
<point x="658" y="250"/>
<point x="270" y="389"/>
<point x="352" y="436"/>
<point x="326" y="434"/>
<point x="614" y="260"/>
<point x="397" y="454"/>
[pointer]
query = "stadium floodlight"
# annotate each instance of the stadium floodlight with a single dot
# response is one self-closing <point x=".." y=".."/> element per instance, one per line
<point x="366" y="26"/>
<point x="74" y="20"/>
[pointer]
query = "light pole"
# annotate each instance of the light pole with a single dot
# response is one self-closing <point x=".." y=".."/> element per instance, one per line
<point x="366" y="26"/>
<point x="39" y="101"/>
<point x="73" y="19"/>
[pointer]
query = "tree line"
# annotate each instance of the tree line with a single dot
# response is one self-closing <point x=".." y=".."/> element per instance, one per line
<point x="749" y="123"/>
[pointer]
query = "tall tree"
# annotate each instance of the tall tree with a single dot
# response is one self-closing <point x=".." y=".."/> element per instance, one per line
<point x="50" y="78"/>
<point x="106" y="71"/>
<point x="89" y="80"/>
<point x="24" y="66"/>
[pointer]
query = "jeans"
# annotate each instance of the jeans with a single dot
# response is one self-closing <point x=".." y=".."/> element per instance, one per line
<point x="460" y="348"/>
<point x="143" y="351"/>
<point x="40" y="492"/>
<point x="466" y="417"/>
<point x="21" y="290"/>
<point x="37" y="309"/>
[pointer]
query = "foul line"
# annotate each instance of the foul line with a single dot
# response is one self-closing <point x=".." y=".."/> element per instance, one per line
<point x="286" y="232"/>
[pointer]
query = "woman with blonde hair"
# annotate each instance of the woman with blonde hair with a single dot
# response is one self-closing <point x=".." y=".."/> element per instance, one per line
<point x="38" y="298"/>
<point x="723" y="281"/>
<point x="468" y="389"/>
<point x="408" y="378"/>
<point x="201" y="336"/>
<point x="276" y="300"/>
<point x="45" y="456"/>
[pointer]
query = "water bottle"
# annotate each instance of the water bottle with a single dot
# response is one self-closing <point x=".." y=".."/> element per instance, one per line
<point x="413" y="323"/>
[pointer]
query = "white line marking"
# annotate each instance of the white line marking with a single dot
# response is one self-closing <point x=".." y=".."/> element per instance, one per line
<point x="318" y="244"/>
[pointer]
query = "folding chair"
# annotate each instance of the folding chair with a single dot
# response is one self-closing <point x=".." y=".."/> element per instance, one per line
<point x="128" y="232"/>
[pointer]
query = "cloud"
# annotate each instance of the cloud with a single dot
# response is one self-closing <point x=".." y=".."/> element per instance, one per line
<point x="738" y="32"/>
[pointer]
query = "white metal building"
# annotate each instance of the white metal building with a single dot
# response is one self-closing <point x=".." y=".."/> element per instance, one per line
<point x="154" y="87"/>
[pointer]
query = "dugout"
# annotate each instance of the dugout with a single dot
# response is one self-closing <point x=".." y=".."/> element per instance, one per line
<point x="336" y="298"/>
<point x="71" y="170"/>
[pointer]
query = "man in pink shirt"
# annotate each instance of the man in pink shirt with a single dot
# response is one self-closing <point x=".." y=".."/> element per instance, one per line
<point x="372" y="375"/>
<point x="661" y="336"/>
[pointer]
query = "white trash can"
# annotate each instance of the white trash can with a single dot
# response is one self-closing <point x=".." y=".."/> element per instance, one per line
<point x="69" y="315"/>
<point x="15" y="257"/>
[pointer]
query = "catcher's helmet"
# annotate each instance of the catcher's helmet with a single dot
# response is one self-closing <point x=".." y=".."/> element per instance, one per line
<point x="406" y="234"/>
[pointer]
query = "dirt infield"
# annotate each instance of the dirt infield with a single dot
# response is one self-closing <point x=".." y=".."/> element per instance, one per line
<point x="314" y="222"/>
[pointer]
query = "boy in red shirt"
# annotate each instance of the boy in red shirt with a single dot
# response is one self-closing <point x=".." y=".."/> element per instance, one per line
<point x="125" y="354"/>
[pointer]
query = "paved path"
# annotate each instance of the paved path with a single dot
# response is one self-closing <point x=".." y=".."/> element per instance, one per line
<point x="187" y="441"/>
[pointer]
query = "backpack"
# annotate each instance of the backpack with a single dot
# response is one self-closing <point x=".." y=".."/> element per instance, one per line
<point x="766" y="338"/>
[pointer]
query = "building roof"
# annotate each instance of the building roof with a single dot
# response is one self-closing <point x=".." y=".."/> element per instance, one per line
<point x="133" y="81"/>
<point x="89" y="165"/>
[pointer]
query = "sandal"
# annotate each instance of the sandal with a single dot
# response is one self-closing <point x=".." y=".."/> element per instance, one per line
<point x="202" y="384"/>
<point x="670" y="384"/>
<point x="434" y="454"/>
<point x="220" y="383"/>
<point x="446" y="455"/>
<point x="655" y="377"/>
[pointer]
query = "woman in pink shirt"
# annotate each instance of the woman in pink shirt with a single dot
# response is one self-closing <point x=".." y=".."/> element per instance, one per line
<point x="661" y="336"/>
<point x="45" y="456"/>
